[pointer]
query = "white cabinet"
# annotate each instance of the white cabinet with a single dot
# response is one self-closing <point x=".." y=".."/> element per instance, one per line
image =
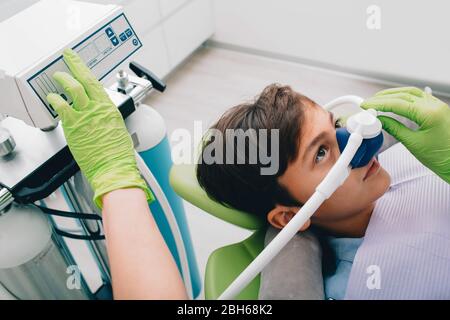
<point x="143" y="14"/>
<point x="169" y="6"/>
<point x="153" y="54"/>
<point x="187" y="29"/>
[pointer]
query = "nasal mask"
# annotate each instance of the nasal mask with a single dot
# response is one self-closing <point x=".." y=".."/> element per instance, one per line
<point x="359" y="141"/>
<point x="365" y="123"/>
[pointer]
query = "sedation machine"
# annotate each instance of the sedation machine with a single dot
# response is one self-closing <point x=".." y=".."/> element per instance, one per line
<point x="233" y="272"/>
<point x="51" y="240"/>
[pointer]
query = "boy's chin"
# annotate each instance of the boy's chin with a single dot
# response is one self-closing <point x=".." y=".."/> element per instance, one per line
<point x="382" y="183"/>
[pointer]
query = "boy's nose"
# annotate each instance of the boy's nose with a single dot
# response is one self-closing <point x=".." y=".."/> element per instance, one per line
<point x="369" y="147"/>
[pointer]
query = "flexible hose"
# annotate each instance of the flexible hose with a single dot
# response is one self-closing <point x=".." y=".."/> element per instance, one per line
<point x="165" y="205"/>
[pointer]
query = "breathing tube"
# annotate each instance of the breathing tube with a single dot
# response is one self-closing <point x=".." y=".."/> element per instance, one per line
<point x="358" y="142"/>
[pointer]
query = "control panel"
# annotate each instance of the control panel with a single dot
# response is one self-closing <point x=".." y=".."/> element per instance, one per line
<point x="102" y="51"/>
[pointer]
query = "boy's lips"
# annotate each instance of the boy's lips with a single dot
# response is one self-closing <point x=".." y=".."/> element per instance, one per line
<point x="372" y="168"/>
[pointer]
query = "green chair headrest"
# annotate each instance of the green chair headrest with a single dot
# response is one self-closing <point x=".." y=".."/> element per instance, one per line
<point x="184" y="181"/>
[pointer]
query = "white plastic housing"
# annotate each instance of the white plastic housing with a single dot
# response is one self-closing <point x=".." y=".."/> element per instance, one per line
<point x="147" y="126"/>
<point x="25" y="232"/>
<point x="33" y="42"/>
<point x="365" y="123"/>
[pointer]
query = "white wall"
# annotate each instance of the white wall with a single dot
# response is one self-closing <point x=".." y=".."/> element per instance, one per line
<point x="11" y="7"/>
<point x="411" y="46"/>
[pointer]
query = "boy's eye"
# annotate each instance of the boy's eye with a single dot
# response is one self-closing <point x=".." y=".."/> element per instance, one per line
<point x="321" y="154"/>
<point x="338" y="123"/>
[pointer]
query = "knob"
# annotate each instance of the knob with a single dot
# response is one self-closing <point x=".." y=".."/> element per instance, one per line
<point x="123" y="82"/>
<point x="7" y="143"/>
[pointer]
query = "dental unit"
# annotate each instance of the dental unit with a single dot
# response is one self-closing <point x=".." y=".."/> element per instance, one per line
<point x="40" y="183"/>
<point x="358" y="142"/>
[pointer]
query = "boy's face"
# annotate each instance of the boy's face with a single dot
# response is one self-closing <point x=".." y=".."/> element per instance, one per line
<point x="318" y="152"/>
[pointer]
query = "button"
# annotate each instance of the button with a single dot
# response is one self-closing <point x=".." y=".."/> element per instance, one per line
<point x="114" y="41"/>
<point x="135" y="42"/>
<point x="123" y="36"/>
<point x="109" y="32"/>
<point x="128" y="32"/>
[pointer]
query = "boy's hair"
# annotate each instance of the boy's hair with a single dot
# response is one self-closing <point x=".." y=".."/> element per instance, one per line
<point x="242" y="186"/>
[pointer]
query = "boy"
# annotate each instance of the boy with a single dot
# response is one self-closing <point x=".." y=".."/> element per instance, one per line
<point x="306" y="150"/>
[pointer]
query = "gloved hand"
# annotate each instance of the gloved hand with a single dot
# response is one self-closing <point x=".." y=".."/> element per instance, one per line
<point x="430" y="144"/>
<point x="95" y="131"/>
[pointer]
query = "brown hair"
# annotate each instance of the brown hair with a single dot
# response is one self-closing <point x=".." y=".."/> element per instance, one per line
<point x="242" y="186"/>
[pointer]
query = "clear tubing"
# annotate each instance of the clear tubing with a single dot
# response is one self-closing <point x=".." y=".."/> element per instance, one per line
<point x="335" y="177"/>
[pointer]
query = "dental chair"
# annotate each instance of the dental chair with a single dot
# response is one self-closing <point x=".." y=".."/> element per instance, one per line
<point x="225" y="263"/>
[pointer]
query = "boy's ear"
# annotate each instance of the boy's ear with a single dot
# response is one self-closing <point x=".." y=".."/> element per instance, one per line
<point x="279" y="217"/>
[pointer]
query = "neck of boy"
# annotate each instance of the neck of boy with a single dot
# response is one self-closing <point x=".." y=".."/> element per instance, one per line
<point x="351" y="227"/>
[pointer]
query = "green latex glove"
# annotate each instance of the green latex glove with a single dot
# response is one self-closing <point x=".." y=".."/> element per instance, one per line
<point x="430" y="143"/>
<point x="95" y="131"/>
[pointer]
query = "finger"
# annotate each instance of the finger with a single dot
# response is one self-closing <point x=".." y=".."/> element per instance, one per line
<point x="411" y="90"/>
<point x="59" y="105"/>
<point x="84" y="75"/>
<point x="398" y="106"/>
<point x="73" y="88"/>
<point x="396" y="129"/>
<point x="400" y="95"/>
<point x="430" y="96"/>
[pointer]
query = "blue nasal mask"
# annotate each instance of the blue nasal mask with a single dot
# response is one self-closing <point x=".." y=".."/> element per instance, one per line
<point x="369" y="147"/>
<point x="373" y="138"/>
